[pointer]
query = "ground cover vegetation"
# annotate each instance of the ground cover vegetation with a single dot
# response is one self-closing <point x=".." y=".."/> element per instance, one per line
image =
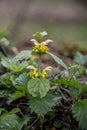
<point x="33" y="97"/>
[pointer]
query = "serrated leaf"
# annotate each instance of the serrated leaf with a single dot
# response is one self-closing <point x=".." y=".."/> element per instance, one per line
<point x="83" y="89"/>
<point x="79" y="111"/>
<point x="21" y="82"/>
<point x="68" y="82"/>
<point x="38" y="87"/>
<point x="76" y="89"/>
<point x="58" y="60"/>
<point x="6" y="79"/>
<point x="23" y="55"/>
<point x="9" y="122"/>
<point x="22" y="79"/>
<point x="79" y="88"/>
<point x="4" y="93"/>
<point x="18" y="67"/>
<point x="43" y="105"/>
<point x="5" y="62"/>
<point x="13" y="65"/>
<point x="23" y="121"/>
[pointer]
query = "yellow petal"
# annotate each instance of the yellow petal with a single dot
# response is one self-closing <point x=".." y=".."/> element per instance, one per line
<point x="47" y="41"/>
<point x="31" y="67"/>
<point x="48" y="68"/>
<point x="35" y="41"/>
<point x="45" y="74"/>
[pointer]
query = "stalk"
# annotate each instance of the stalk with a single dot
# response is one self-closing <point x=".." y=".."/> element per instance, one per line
<point x="41" y="122"/>
<point x="39" y="64"/>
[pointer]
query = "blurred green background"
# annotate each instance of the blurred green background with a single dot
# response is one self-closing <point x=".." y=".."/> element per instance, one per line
<point x="64" y="20"/>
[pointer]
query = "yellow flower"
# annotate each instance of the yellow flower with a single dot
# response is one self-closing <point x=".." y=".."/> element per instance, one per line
<point x="48" y="68"/>
<point x="44" y="73"/>
<point x="44" y="42"/>
<point x="34" y="41"/>
<point x="41" y="47"/>
<point x="47" y="41"/>
<point x="34" y="73"/>
<point x="31" y="67"/>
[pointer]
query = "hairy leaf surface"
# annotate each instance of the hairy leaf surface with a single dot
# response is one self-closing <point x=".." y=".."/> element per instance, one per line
<point x="79" y="111"/>
<point x="38" y="87"/>
<point x="45" y="104"/>
<point x="58" y="60"/>
<point x="26" y="54"/>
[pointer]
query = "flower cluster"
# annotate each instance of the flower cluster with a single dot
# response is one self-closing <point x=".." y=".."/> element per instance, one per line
<point x="34" y="73"/>
<point x="41" y="47"/>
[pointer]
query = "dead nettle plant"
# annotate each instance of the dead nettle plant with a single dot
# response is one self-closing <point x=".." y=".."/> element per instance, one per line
<point x="29" y="91"/>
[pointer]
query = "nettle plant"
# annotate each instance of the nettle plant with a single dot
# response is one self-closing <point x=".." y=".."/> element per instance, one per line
<point x="29" y="93"/>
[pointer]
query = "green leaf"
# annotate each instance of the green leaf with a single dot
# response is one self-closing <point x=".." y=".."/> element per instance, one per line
<point x="21" y="82"/>
<point x="68" y="82"/>
<point x="1" y="56"/>
<point x="40" y="34"/>
<point x="5" y="62"/>
<point x="44" y="33"/>
<point x="42" y="106"/>
<point x="6" y="80"/>
<point x="23" y="55"/>
<point x="2" y="110"/>
<point x="18" y="67"/>
<point x="38" y="87"/>
<point x="22" y="79"/>
<point x="9" y="122"/>
<point x="13" y="65"/>
<point x="71" y="92"/>
<point x="78" y="88"/>
<point x="23" y="122"/>
<point x="58" y="60"/>
<point x="15" y="96"/>
<point x="79" y="111"/>
<point x="80" y="58"/>
<point x="82" y="89"/>
<point x="4" y="93"/>
<point x="3" y="33"/>
<point x="14" y="110"/>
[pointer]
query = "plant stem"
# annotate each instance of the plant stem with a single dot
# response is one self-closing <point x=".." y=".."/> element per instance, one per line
<point x="41" y="122"/>
<point x="39" y="63"/>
